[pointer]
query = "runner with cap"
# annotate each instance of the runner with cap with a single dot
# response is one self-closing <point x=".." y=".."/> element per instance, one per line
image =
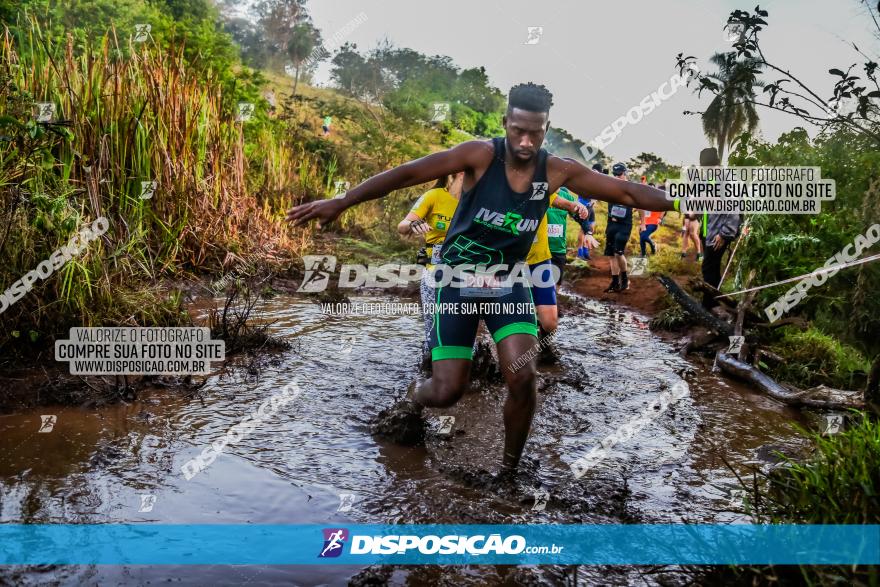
<point x="620" y="221"/>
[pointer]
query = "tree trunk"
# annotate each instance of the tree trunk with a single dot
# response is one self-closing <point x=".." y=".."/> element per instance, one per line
<point x="295" y="83"/>
<point x="694" y="308"/>
<point x="722" y="142"/>
<point x="744" y="306"/>
<point x="817" y="397"/>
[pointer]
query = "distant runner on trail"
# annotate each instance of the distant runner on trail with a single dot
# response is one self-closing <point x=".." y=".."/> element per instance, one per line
<point x="690" y="230"/>
<point x="650" y="222"/>
<point x="328" y="120"/>
<point x="617" y="231"/>
<point x="507" y="186"/>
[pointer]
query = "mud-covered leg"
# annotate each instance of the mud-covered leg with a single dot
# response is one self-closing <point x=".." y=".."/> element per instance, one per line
<point x="446" y="385"/>
<point x="522" y="395"/>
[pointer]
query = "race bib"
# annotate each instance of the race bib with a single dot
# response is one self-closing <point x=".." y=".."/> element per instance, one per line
<point x="554" y="230"/>
<point x="483" y="286"/>
<point x="618" y="211"/>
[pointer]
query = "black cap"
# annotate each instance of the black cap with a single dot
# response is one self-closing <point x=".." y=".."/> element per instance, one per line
<point x="597" y="167"/>
<point x="618" y="169"/>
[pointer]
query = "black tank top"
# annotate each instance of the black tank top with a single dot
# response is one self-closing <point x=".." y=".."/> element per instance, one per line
<point x="494" y="224"/>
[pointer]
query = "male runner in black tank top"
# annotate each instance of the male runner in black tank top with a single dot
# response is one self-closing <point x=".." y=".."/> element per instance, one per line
<point x="503" y="199"/>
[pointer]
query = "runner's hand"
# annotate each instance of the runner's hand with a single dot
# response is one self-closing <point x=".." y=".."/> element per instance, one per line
<point x="592" y="243"/>
<point x="717" y="242"/>
<point x="581" y="211"/>
<point x="419" y="227"/>
<point x="324" y="211"/>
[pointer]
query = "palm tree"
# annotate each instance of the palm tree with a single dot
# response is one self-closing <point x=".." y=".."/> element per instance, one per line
<point x="732" y="111"/>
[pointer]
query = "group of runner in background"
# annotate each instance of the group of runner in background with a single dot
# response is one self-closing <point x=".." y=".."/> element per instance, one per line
<point x="432" y="213"/>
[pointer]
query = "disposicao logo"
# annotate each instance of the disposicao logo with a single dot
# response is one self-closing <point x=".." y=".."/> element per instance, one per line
<point x="334" y="539"/>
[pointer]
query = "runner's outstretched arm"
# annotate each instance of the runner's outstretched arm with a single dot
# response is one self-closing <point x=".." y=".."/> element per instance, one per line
<point x="576" y="209"/>
<point x="463" y="157"/>
<point x="582" y="180"/>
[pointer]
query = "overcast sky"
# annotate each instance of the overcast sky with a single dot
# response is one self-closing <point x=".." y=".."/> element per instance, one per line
<point x="601" y="59"/>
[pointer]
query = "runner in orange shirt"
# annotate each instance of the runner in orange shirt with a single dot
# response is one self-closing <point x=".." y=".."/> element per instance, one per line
<point x="650" y="222"/>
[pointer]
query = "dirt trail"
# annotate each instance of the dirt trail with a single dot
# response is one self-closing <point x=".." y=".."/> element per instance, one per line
<point x="645" y="294"/>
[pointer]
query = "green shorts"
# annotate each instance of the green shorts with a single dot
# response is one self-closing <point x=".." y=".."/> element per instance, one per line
<point x="458" y="311"/>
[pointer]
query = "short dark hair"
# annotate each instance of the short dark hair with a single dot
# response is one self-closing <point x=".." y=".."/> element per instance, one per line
<point x="531" y="97"/>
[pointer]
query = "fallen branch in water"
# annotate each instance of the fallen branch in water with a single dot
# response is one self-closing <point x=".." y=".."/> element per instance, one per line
<point x="697" y="284"/>
<point x="694" y="308"/>
<point x="762" y="354"/>
<point x="822" y="397"/>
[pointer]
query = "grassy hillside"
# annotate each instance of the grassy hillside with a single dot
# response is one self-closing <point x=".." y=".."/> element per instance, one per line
<point x="139" y="113"/>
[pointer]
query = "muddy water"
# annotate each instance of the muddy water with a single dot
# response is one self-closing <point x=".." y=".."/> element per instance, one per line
<point x="97" y="466"/>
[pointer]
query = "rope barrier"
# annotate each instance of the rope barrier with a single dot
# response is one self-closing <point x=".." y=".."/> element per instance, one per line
<point x="745" y="229"/>
<point x="800" y="277"/>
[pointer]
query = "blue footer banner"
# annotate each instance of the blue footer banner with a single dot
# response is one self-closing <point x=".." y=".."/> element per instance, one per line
<point x="158" y="544"/>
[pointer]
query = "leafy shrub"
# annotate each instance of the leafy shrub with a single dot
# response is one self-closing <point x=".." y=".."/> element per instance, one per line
<point x="781" y="246"/>
<point x="813" y="357"/>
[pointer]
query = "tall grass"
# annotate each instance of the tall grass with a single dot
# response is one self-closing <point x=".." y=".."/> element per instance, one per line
<point x="813" y="357"/>
<point x="123" y="118"/>
<point x="838" y="484"/>
<point x="141" y="112"/>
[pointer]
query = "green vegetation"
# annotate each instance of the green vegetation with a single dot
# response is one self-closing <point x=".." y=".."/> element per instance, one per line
<point x="732" y="111"/>
<point x="163" y="106"/>
<point x="672" y="317"/>
<point x="837" y="484"/>
<point x="782" y="246"/>
<point x="121" y="118"/>
<point x="815" y="358"/>
<point x="652" y="167"/>
<point x="668" y="261"/>
<point x="408" y="84"/>
<point x="128" y="111"/>
<point x="847" y="149"/>
<point x="165" y="109"/>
